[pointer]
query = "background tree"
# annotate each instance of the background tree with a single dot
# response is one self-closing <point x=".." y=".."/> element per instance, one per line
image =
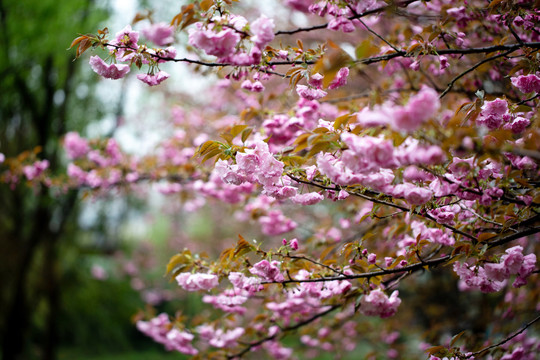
<point x="39" y="104"/>
<point x="397" y="148"/>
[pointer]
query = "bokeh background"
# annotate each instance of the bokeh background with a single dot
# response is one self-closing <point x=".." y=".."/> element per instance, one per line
<point x="73" y="274"/>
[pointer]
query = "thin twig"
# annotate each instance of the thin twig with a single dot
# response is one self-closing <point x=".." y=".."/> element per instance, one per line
<point x="453" y="81"/>
<point x="387" y="203"/>
<point x="527" y="100"/>
<point x="482" y="218"/>
<point x="379" y="36"/>
<point x="375" y="59"/>
<point x="283" y="330"/>
<point x="356" y="16"/>
<point x="363" y="95"/>
<point x="370" y="274"/>
<point x="301" y="257"/>
<point x="504" y="341"/>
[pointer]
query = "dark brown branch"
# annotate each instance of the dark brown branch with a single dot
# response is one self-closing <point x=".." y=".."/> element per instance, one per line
<point x="375" y="59"/>
<point x="504" y="341"/>
<point x="367" y="275"/>
<point x="283" y="330"/>
<point x="387" y="203"/>
<point x="529" y="99"/>
<point x="301" y="257"/>
<point x="380" y="37"/>
<point x="419" y="265"/>
<point x="356" y="16"/>
<point x="472" y="68"/>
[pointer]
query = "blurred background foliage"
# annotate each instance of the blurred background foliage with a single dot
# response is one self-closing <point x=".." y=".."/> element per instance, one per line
<point x="62" y="291"/>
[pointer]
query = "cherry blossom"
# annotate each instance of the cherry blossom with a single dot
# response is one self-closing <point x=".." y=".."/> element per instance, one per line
<point x="112" y="71"/>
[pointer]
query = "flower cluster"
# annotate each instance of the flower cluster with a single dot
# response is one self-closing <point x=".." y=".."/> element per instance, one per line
<point x="222" y="38"/>
<point x="161" y="331"/>
<point x="492" y="276"/>
<point x="267" y="270"/>
<point x="218" y="337"/>
<point x="125" y="48"/>
<point x="195" y="282"/>
<point x="377" y="303"/>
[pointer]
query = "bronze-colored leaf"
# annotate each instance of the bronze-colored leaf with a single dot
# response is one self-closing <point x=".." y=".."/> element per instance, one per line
<point x="245" y="134"/>
<point x="237" y="129"/>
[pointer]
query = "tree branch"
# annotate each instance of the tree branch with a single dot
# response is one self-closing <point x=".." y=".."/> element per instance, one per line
<point x="375" y="59"/>
<point x="387" y="203"/>
<point x="453" y="81"/>
<point x="367" y="275"/>
<point x="504" y="341"/>
<point x="283" y="330"/>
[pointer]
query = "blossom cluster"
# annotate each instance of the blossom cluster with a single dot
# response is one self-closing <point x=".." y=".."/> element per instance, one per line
<point x="161" y="331"/>
<point x="377" y="303"/>
<point x="195" y="282"/>
<point x="492" y="277"/>
<point x="222" y="38"/>
<point x="125" y="48"/>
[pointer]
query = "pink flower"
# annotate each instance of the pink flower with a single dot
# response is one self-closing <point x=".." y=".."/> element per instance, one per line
<point x="126" y="40"/>
<point x="445" y="214"/>
<point x="282" y="129"/>
<point x="113" y="71"/>
<point x="165" y="54"/>
<point x="340" y="79"/>
<point x="497" y="107"/>
<point x="127" y="37"/>
<point x="526" y="269"/>
<point x="225" y="339"/>
<point x="294" y="244"/>
<point x="180" y="341"/>
<point x="367" y="154"/>
<point x="248" y="161"/>
<point x="419" y="109"/>
<point x="519" y="124"/>
<point x="475" y="277"/>
<point x="75" y="146"/>
<point x="246" y="85"/>
<point x="159" y="329"/>
<point x="77" y="173"/>
<point x="159" y="33"/>
<point x="194" y="282"/>
<point x="300" y="5"/>
<point x="497" y="272"/>
<point x="443" y="61"/>
<point x="341" y="23"/>
<point x="98" y="272"/>
<point x="527" y="83"/>
<point x="310" y="93"/>
<point x="377" y="303"/>
<point x="415" y="65"/>
<point x="267" y="270"/>
<point x="257" y="86"/>
<point x="416" y="195"/>
<point x="228" y="301"/>
<point x="242" y="282"/>
<point x="220" y="44"/>
<point x="154" y="79"/>
<point x="33" y="171"/>
<point x="513" y="259"/>
<point x="263" y="31"/>
<point x="316" y="81"/>
<point x="412" y="173"/>
<point x="307" y="199"/>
